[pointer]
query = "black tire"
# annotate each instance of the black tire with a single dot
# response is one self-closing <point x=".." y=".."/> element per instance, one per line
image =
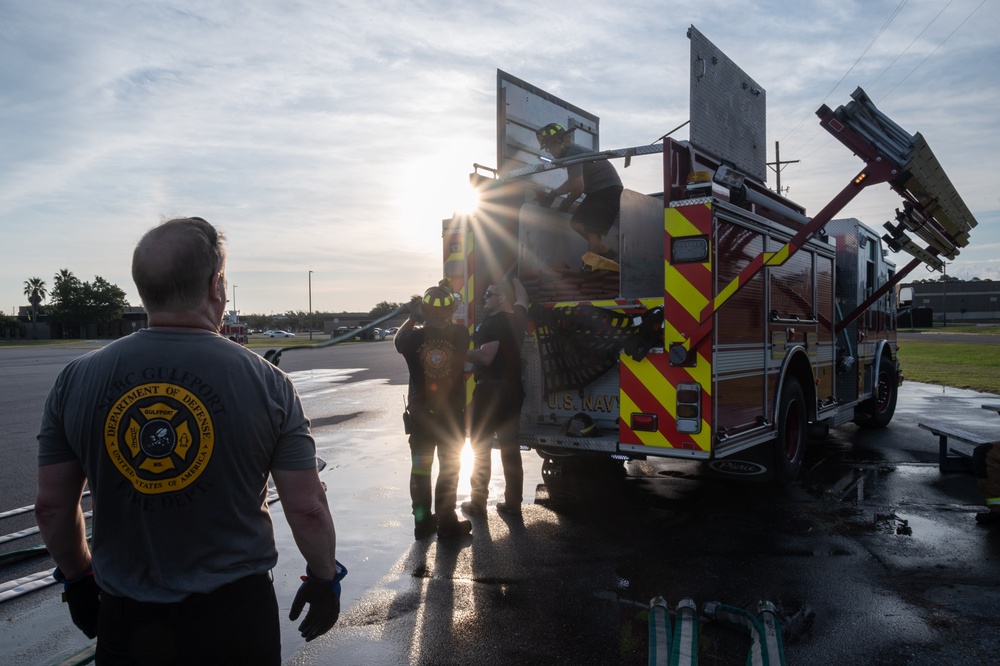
<point x="877" y="412"/>
<point x="790" y="443"/>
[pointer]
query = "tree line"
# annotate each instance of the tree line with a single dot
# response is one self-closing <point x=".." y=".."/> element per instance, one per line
<point x="74" y="303"/>
<point x="297" y="320"/>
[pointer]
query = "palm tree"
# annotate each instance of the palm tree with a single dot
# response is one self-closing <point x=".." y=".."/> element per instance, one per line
<point x="34" y="289"/>
<point x="64" y="275"/>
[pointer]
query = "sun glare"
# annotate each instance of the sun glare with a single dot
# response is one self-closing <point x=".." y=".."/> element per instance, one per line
<point x="467" y="200"/>
<point x="464" y="482"/>
<point x="422" y="204"/>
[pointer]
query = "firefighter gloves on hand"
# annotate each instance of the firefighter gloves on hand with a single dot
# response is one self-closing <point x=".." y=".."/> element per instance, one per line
<point x="323" y="597"/>
<point x="84" y="599"/>
<point x="415" y="308"/>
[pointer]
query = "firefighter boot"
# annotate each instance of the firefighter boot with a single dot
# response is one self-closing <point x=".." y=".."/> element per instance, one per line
<point x="509" y="509"/>
<point x="473" y="508"/>
<point x="450" y="526"/>
<point x="423" y="528"/>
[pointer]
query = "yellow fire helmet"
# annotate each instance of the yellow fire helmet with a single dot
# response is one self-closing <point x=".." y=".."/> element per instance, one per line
<point x="438" y="302"/>
<point x="549" y="134"/>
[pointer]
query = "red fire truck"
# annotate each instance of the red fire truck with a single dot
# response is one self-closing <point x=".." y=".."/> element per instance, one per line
<point x="235" y="331"/>
<point x="732" y="323"/>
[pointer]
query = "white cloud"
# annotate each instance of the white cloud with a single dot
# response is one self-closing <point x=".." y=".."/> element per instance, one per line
<point x="330" y="136"/>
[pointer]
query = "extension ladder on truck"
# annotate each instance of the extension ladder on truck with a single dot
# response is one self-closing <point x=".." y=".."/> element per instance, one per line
<point x="932" y="208"/>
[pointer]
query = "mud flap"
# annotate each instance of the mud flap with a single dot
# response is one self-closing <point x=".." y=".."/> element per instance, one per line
<point x="753" y="464"/>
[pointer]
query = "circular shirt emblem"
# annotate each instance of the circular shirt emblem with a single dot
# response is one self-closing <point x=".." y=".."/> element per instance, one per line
<point x="160" y="437"/>
<point x="436" y="361"/>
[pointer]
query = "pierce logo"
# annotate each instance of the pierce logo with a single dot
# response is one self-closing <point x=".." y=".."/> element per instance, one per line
<point x="160" y="436"/>
<point x="741" y="467"/>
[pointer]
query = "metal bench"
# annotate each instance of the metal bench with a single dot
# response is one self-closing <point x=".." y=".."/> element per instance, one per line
<point x="955" y="458"/>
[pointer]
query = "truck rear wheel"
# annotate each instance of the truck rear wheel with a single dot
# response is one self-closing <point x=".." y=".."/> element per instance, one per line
<point x="877" y="411"/>
<point x="581" y="467"/>
<point x="790" y="444"/>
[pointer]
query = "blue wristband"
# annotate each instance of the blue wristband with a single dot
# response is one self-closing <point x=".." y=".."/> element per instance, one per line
<point x="61" y="578"/>
<point x="341" y="572"/>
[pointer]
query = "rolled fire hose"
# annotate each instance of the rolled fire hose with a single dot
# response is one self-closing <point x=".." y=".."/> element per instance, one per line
<point x="659" y="632"/>
<point x="765" y="635"/>
<point x="685" y="649"/>
<point x="767" y="615"/>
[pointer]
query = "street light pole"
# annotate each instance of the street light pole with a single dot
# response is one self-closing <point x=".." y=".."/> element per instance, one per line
<point x="944" y="297"/>
<point x="236" y="313"/>
<point x="310" y="305"/>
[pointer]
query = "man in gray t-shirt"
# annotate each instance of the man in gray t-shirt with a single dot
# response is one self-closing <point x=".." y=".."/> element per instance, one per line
<point x="176" y="429"/>
<point x="597" y="180"/>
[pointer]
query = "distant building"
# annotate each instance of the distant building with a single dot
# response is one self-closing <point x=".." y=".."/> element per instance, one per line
<point x="958" y="301"/>
<point x="133" y="318"/>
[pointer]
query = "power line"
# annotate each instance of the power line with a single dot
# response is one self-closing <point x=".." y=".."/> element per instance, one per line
<point x="934" y="51"/>
<point x="819" y="132"/>
<point x="926" y="28"/>
<point x="874" y="39"/>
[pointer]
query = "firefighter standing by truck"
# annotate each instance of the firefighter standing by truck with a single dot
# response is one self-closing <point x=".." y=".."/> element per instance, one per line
<point x="497" y="398"/>
<point x="434" y="417"/>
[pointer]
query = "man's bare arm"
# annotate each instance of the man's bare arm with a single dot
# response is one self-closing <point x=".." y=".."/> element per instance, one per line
<point x="483" y="355"/>
<point x="60" y="518"/>
<point x="304" y="502"/>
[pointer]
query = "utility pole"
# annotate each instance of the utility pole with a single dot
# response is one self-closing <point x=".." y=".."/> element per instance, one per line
<point x="944" y="297"/>
<point x="310" y="305"/>
<point x="777" y="165"/>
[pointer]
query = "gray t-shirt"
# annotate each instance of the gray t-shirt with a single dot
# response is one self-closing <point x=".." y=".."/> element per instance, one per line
<point x="597" y="175"/>
<point x="177" y="433"/>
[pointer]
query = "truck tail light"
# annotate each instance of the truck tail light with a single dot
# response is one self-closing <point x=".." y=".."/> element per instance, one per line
<point x="643" y="422"/>
<point x="689" y="408"/>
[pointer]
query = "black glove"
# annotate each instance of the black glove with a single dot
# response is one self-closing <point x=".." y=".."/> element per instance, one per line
<point x="84" y="599"/>
<point x="545" y="201"/>
<point x="323" y="597"/>
<point x="416" y="312"/>
<point x="565" y="205"/>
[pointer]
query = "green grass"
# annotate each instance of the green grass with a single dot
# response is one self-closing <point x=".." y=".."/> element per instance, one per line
<point x="958" y="364"/>
<point x="7" y="343"/>
<point x="968" y="365"/>
<point x="958" y="328"/>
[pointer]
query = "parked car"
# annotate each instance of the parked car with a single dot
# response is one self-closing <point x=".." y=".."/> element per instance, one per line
<point x="280" y="334"/>
<point x="391" y="331"/>
<point x="343" y="330"/>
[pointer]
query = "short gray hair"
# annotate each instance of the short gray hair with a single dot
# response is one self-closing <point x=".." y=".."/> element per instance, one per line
<point x="173" y="262"/>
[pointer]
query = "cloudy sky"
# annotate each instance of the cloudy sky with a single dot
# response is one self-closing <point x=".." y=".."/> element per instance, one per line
<point x="335" y="136"/>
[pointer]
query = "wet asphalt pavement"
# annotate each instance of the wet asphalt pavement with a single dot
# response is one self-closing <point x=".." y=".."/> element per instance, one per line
<point x="872" y="557"/>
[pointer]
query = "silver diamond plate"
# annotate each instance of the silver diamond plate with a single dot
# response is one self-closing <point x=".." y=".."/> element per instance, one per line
<point x="728" y="109"/>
